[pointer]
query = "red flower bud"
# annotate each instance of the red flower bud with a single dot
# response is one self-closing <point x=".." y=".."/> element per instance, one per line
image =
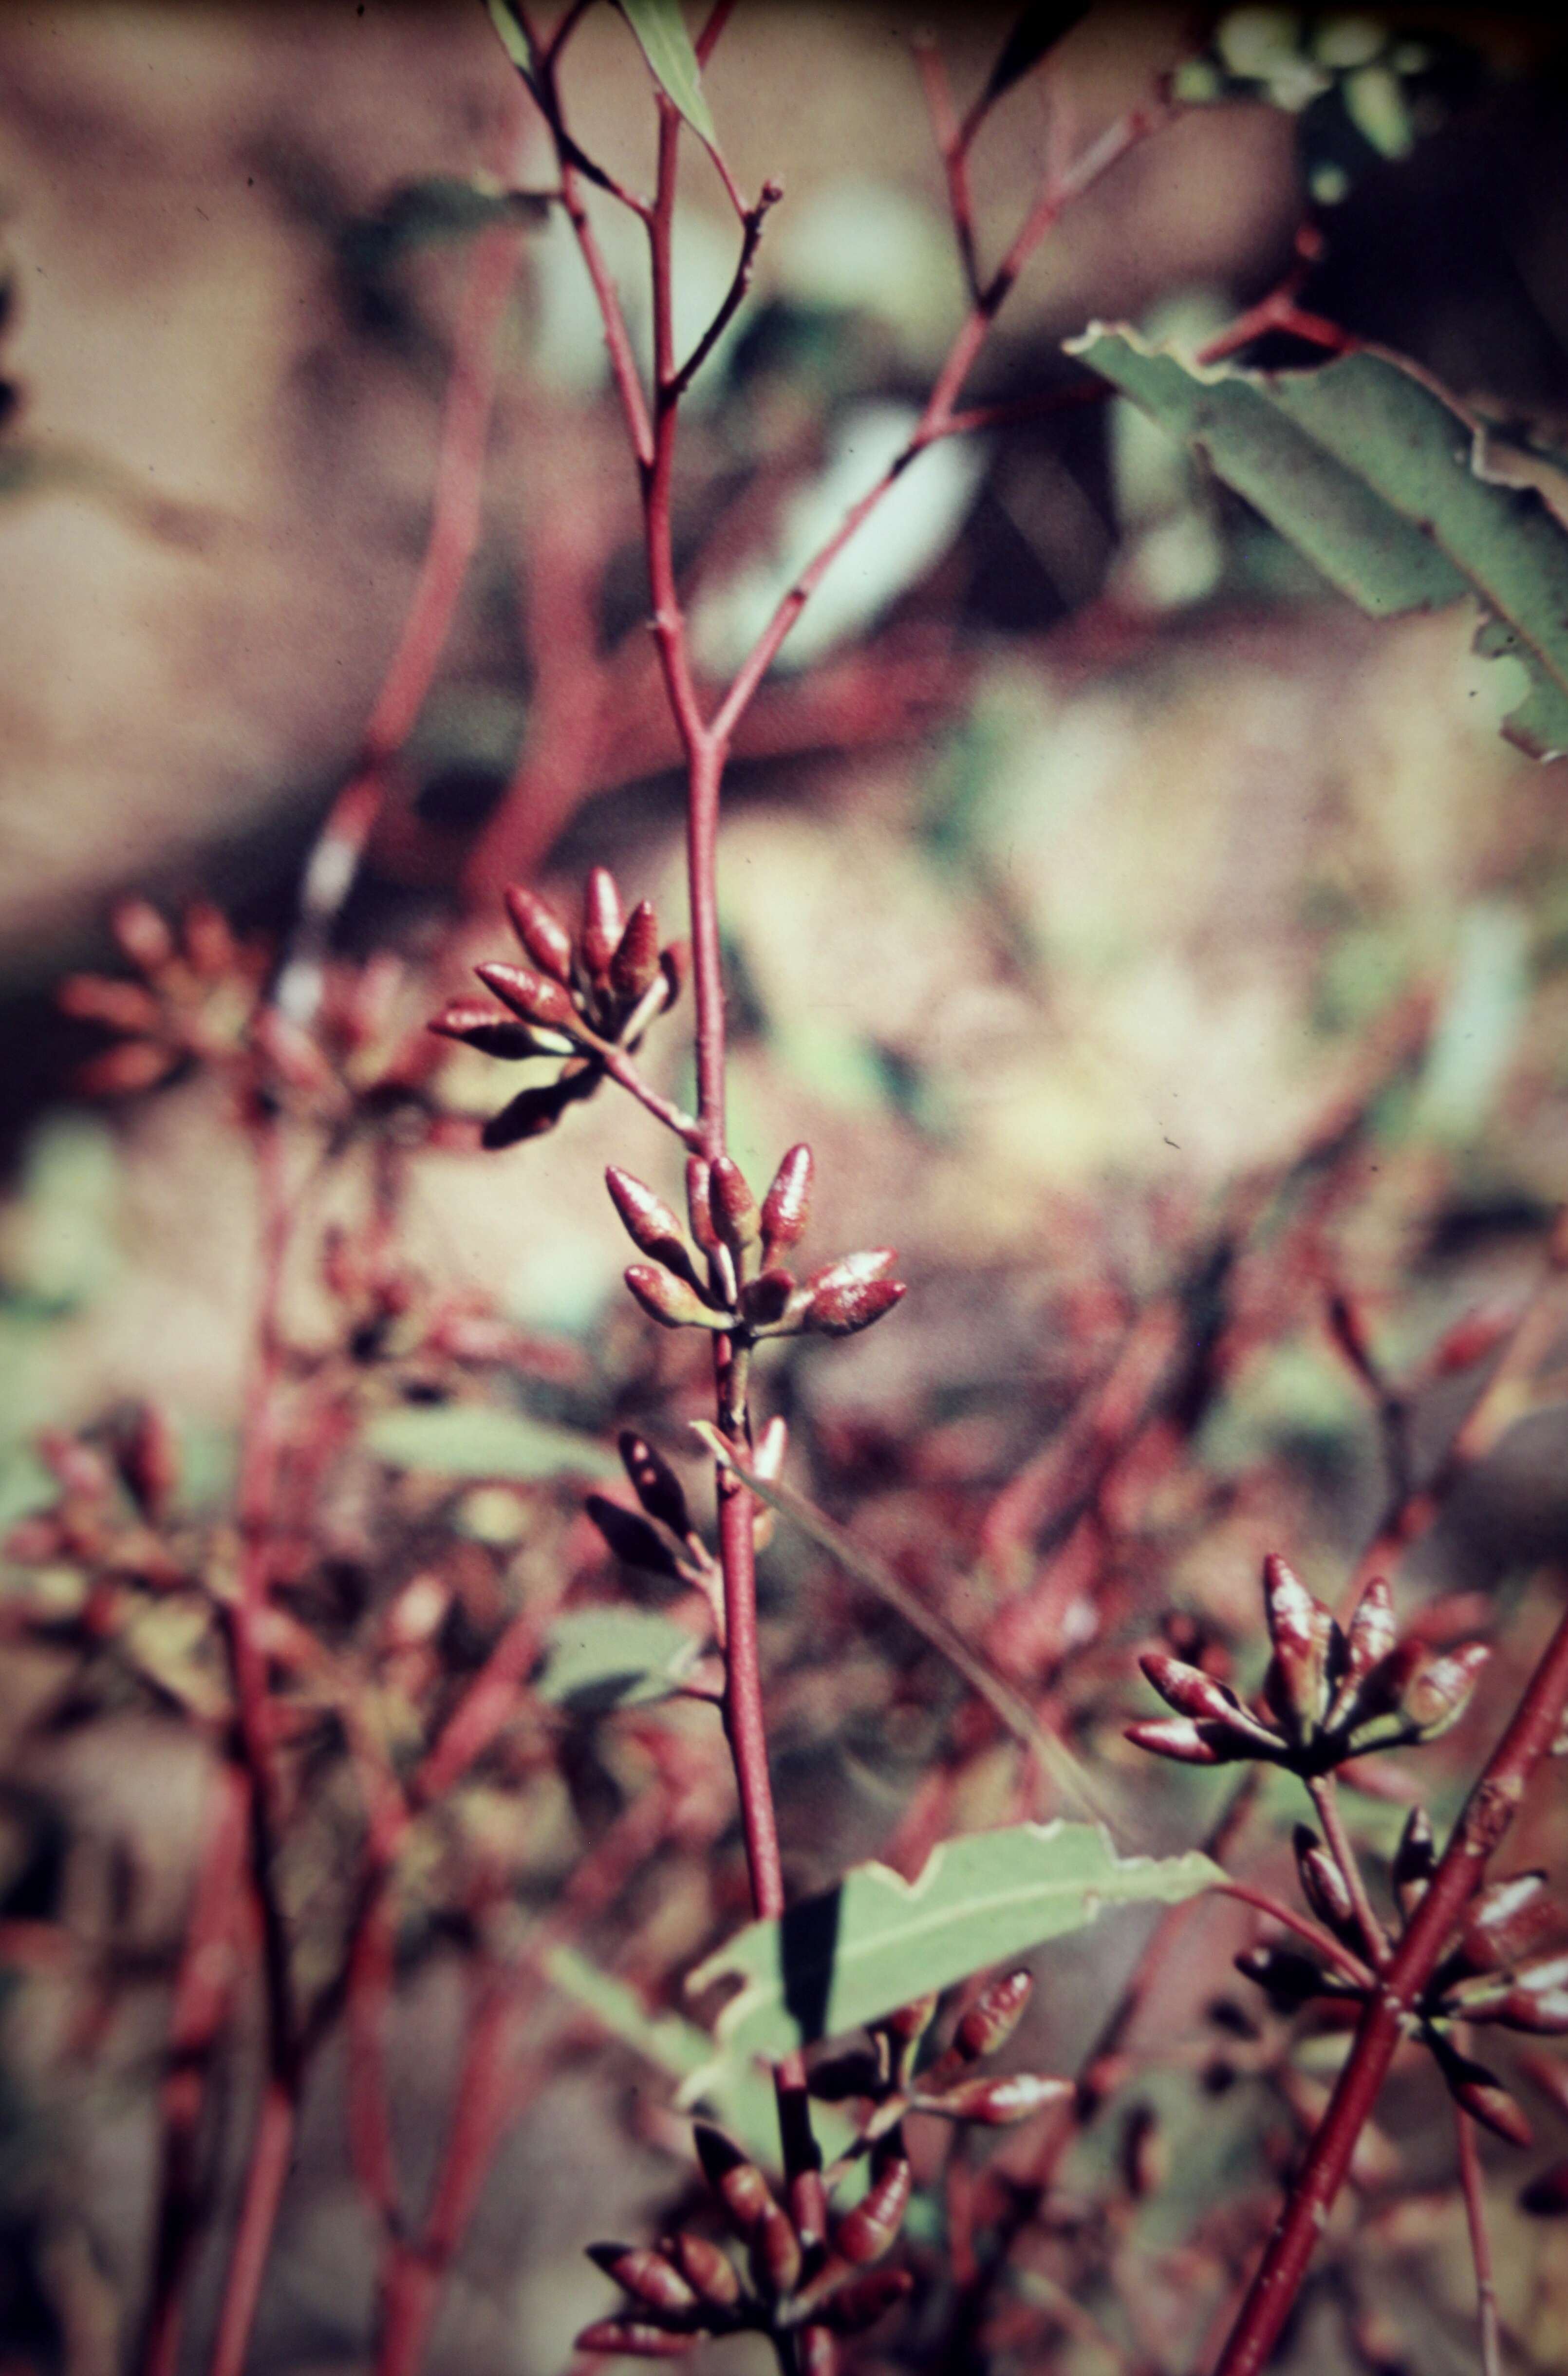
<point x="534" y="996"/>
<point x="734" y="1208"/>
<point x="654" y="1482"/>
<point x="788" y="1200"/>
<point x="775" y="2252"/>
<point x="649" y="1222"/>
<point x="1301" y="1630"/>
<point x="911" y="2021"/>
<point x="121" y="1072"/>
<point x="122" y="1005"/>
<point x="647" y="2273"/>
<point x="1415" y="1862"/>
<point x="209" y="945"/>
<point x="993" y="2016"/>
<point x="635" y="2338"/>
<point x="871" y="2228"/>
<point x="699" y="1207"/>
<point x="738" y="2183"/>
<point x="846" y="1305"/>
<point x="1176" y="1737"/>
<point x="996" y="2103"/>
<point x="711" y="2272"/>
<point x="1507" y="1920"/>
<point x="1488" y="2101"/>
<point x="142" y="934"/>
<point x="634" y="969"/>
<point x="631" y="1537"/>
<point x="544" y="936"/>
<point x="533" y="1112"/>
<point x="1323" y="1884"/>
<point x="669" y="1299"/>
<point x="859" y="2305"/>
<point x="1191" y="1692"/>
<point x="1441" y="1691"/>
<point x="148" y="1456"/>
<point x="482" y="1027"/>
<point x="604" y="922"/>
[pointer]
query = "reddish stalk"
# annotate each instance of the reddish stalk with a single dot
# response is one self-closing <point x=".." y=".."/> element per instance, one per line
<point x="454" y="533"/>
<point x="1488" y="2326"/>
<point x="1489" y="1811"/>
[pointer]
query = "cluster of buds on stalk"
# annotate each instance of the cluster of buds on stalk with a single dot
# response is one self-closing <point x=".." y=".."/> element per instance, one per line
<point x="662" y="1536"/>
<point x="783" y="2284"/>
<point x="728" y="1274"/>
<point x="1330" y="1693"/>
<point x="585" y="999"/>
<point x="1497" y="1968"/>
<point x="948" y="2086"/>
<point x="193" y="1002"/>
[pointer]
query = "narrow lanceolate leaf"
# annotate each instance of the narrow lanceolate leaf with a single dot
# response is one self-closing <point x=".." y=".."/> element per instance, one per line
<point x="1036" y="32"/>
<point x="514" y="39"/>
<point x="1382" y="480"/>
<point x="666" y="44"/>
<point x="849" y="1956"/>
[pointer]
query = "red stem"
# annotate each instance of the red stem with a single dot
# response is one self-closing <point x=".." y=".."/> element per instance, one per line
<point x="1489" y="1811"/>
<point x="1487" y="2328"/>
<point x="258" y="2216"/>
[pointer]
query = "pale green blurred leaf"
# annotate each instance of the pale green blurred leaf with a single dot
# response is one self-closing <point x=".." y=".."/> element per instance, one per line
<point x="1377" y="477"/>
<point x="600" y="1658"/>
<point x="478" y="1439"/>
<point x="741" y="2095"/>
<point x="513" y="41"/>
<point x="909" y="529"/>
<point x="876" y="1941"/>
<point x="1479" y="1027"/>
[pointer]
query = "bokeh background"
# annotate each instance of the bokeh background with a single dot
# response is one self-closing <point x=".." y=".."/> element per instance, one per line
<point x="1083" y="862"/>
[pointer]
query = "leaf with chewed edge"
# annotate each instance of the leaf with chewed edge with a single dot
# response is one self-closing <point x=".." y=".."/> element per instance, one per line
<point x="1382" y="481"/>
<point x="876" y="1941"/>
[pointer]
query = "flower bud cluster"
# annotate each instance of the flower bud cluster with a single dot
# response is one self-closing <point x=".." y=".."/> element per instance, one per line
<point x="1499" y="1967"/>
<point x="1330" y="1693"/>
<point x="580" y="997"/>
<point x="949" y="2087"/>
<point x="728" y="1272"/>
<point x="193" y="999"/>
<point x="689" y="2287"/>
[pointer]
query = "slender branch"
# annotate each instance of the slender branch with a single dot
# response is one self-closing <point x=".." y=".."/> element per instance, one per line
<point x="1312" y="1933"/>
<point x="456" y="511"/>
<point x="1489" y="1811"/>
<point x="1136" y="126"/>
<point x="751" y="221"/>
<point x="952" y="148"/>
<point x="1487" y="2327"/>
<point x="1324" y="1796"/>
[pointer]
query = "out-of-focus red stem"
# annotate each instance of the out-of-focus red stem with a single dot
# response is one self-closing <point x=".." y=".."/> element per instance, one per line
<point x="1489" y="2330"/>
<point x="1489" y="1811"/>
<point x="258" y="2217"/>
<point x="455" y="507"/>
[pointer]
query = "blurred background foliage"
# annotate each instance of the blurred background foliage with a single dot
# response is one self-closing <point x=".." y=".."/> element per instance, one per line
<point x="1086" y="870"/>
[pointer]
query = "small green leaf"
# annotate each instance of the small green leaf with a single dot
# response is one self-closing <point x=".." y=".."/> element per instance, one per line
<point x="1380" y="478"/>
<point x="514" y="39"/>
<point x="741" y="2095"/>
<point x="601" y="1658"/>
<point x="662" y="34"/>
<point x="1036" y="32"/>
<point x="873" y="1942"/>
<point x="477" y="1440"/>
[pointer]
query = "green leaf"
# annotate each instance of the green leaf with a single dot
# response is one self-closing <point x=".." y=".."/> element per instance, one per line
<point x="662" y="34"/>
<point x="477" y="1440"/>
<point x="740" y="2095"/>
<point x="876" y="1940"/>
<point x="1036" y="32"/>
<point x="1380" y="478"/>
<point x="600" y="1658"/>
<point x="514" y="39"/>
